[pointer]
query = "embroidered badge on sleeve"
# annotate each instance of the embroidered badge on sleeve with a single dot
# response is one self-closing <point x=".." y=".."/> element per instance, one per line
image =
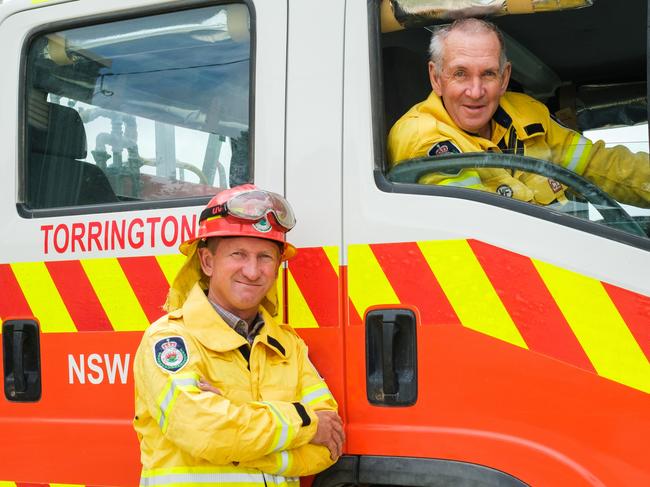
<point x="444" y="147"/>
<point x="170" y="354"/>
<point x="555" y="186"/>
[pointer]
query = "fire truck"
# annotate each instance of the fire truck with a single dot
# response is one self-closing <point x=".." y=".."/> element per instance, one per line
<point x="469" y="338"/>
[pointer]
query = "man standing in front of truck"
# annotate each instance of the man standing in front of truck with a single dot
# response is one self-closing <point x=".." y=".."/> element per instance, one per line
<point x="469" y="110"/>
<point x="225" y="395"/>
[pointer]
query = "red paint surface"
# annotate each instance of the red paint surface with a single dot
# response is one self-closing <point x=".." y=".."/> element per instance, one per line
<point x="635" y="311"/>
<point x="13" y="302"/>
<point x="148" y="283"/>
<point x="318" y="283"/>
<point x="78" y="296"/>
<point x="75" y="429"/>
<point x="530" y="304"/>
<point x="413" y="281"/>
<point x="481" y="400"/>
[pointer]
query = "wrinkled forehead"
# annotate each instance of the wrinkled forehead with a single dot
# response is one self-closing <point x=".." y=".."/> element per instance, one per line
<point x="471" y="50"/>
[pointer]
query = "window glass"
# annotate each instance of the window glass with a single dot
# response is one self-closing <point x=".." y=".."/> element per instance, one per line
<point x="570" y="134"/>
<point x="147" y="109"/>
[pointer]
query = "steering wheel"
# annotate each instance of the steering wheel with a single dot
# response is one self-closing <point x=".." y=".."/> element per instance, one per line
<point x="612" y="212"/>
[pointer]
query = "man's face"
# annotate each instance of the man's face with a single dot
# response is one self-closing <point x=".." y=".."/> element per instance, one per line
<point x="241" y="271"/>
<point x="469" y="83"/>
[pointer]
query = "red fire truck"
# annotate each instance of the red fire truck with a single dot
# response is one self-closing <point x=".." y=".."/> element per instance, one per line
<point x="469" y="338"/>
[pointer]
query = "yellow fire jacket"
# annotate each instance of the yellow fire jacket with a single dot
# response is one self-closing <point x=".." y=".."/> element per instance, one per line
<point x="256" y="432"/>
<point x="521" y="125"/>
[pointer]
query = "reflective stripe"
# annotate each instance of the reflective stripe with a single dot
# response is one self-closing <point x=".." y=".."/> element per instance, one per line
<point x="207" y="478"/>
<point x="316" y="393"/>
<point x="284" y="433"/>
<point x="285" y="460"/>
<point x="577" y="155"/>
<point x="175" y="384"/>
<point x="213" y="476"/>
<point x="280" y="481"/>
<point x="467" y="179"/>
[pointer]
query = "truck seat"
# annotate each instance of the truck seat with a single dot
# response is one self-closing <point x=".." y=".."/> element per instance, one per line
<point x="55" y="175"/>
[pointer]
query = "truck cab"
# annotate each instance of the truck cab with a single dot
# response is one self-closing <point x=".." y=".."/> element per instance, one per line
<point x="469" y="338"/>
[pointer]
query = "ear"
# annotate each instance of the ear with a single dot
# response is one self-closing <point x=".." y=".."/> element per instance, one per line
<point x="207" y="261"/>
<point x="434" y="79"/>
<point x="505" y="77"/>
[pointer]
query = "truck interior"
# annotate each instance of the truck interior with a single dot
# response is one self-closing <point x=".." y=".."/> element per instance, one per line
<point x="588" y="65"/>
<point x="144" y="109"/>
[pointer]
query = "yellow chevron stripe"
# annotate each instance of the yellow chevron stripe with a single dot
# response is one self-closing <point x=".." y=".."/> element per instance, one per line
<point x="469" y="290"/>
<point x="598" y="326"/>
<point x="170" y="264"/>
<point x="280" y="287"/>
<point x="332" y="253"/>
<point x="300" y="314"/>
<point x="6" y="483"/>
<point x="115" y="294"/>
<point x="367" y="283"/>
<point x="43" y="297"/>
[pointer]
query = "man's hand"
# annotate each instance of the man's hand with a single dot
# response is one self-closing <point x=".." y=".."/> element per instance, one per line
<point x="204" y="385"/>
<point x="330" y="433"/>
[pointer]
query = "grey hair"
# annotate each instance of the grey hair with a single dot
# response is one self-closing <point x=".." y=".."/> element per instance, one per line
<point x="470" y="25"/>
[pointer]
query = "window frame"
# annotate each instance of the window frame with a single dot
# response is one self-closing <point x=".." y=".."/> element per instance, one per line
<point x="380" y="131"/>
<point x="139" y="12"/>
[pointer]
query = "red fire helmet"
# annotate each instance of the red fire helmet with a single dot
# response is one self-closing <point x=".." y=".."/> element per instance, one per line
<point x="246" y="211"/>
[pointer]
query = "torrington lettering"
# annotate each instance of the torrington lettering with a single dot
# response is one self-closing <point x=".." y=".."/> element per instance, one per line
<point x="121" y="234"/>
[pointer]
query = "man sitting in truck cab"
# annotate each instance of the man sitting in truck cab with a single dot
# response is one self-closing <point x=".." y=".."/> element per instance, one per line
<point x="469" y="110"/>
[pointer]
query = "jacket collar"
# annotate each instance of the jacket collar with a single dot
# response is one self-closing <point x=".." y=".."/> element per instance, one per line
<point x="506" y="115"/>
<point x="272" y="335"/>
<point x="205" y="324"/>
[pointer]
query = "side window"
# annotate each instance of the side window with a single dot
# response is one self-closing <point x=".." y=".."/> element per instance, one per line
<point x="147" y="109"/>
<point x="547" y="141"/>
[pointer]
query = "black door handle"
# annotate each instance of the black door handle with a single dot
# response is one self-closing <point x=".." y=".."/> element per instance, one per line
<point x="388" y="332"/>
<point x="18" y="368"/>
<point x="22" y="360"/>
<point x="391" y="357"/>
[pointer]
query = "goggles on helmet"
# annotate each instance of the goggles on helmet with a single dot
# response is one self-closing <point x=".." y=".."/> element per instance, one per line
<point x="254" y="205"/>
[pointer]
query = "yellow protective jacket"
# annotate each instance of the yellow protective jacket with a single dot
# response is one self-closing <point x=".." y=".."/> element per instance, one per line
<point x="521" y="125"/>
<point x="256" y="432"/>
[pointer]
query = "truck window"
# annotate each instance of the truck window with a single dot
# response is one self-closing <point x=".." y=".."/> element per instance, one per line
<point x="146" y="109"/>
<point x="584" y="92"/>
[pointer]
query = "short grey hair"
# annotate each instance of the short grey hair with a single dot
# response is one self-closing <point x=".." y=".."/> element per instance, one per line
<point x="469" y="25"/>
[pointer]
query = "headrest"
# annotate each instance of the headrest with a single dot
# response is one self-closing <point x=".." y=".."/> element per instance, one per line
<point x="65" y="135"/>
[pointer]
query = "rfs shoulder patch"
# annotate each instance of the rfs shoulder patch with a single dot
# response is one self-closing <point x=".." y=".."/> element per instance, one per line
<point x="444" y="147"/>
<point x="170" y="354"/>
<point x="555" y="186"/>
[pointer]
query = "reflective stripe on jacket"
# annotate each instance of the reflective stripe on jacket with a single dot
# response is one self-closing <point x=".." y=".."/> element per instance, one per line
<point x="524" y="126"/>
<point x="257" y="431"/>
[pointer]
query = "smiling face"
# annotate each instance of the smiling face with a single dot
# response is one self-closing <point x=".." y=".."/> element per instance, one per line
<point x="469" y="81"/>
<point x="241" y="271"/>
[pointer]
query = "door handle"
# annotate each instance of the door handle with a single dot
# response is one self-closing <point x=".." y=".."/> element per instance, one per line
<point x="17" y="356"/>
<point x="22" y="360"/>
<point x="389" y="381"/>
<point x="391" y="357"/>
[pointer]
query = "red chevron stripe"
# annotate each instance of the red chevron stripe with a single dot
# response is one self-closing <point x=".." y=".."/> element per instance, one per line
<point x="635" y="311"/>
<point x="78" y="296"/>
<point x="13" y="302"/>
<point x="413" y="281"/>
<point x="148" y="283"/>
<point x="318" y="283"/>
<point x="530" y="305"/>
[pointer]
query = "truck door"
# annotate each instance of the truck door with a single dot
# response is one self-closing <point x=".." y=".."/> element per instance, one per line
<point x="487" y="339"/>
<point x="120" y="120"/>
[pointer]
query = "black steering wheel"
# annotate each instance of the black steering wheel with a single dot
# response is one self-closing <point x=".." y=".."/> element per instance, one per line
<point x="612" y="212"/>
